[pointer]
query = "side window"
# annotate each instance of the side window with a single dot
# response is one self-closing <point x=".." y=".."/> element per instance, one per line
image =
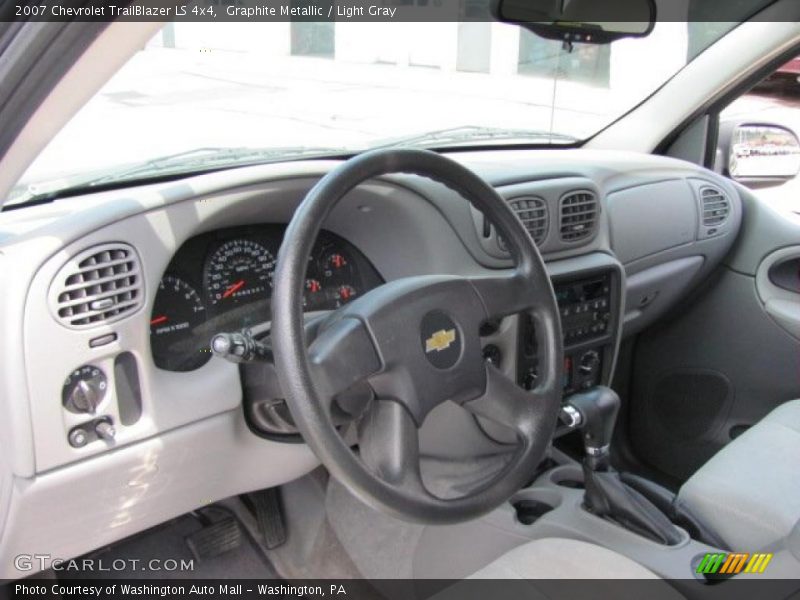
<point x="759" y="144"/>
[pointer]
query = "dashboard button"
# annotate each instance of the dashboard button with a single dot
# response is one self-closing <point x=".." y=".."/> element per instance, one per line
<point x="78" y="437"/>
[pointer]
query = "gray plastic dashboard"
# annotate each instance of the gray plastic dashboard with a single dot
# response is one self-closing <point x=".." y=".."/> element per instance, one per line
<point x="649" y="221"/>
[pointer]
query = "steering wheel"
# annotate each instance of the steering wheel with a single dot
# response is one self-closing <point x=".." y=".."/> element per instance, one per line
<point x="415" y="342"/>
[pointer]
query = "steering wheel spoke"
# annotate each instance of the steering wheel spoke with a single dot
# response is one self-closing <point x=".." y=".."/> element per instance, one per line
<point x="389" y="445"/>
<point x="341" y="356"/>
<point x="507" y="295"/>
<point x="507" y="404"/>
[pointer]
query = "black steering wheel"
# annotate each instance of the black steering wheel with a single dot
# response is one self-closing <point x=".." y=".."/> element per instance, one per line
<point x="415" y="342"/>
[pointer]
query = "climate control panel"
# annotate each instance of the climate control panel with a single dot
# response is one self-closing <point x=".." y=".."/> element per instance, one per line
<point x="582" y="370"/>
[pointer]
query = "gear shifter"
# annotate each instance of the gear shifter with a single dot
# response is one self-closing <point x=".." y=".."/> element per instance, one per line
<point x="606" y="495"/>
<point x="598" y="408"/>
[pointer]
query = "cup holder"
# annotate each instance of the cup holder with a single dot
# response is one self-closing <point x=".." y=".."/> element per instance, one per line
<point x="568" y="477"/>
<point x="570" y="483"/>
<point x="531" y="505"/>
<point x="530" y="510"/>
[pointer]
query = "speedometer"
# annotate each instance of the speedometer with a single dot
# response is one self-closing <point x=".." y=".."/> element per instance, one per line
<point x="240" y="271"/>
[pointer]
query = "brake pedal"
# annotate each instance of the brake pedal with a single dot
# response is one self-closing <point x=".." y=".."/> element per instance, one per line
<point x="268" y="510"/>
<point x="215" y="539"/>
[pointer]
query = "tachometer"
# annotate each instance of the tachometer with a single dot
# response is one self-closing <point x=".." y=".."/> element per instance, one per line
<point x="240" y="271"/>
<point x="178" y="311"/>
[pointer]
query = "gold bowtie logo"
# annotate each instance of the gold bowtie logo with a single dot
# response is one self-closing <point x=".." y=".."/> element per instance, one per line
<point x="441" y="340"/>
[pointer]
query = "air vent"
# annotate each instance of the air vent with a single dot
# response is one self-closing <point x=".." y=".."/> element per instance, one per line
<point x="716" y="207"/>
<point x="578" y="216"/>
<point x="100" y="285"/>
<point x="534" y="216"/>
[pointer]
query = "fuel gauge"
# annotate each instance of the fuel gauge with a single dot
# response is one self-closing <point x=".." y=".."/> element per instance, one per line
<point x="335" y="266"/>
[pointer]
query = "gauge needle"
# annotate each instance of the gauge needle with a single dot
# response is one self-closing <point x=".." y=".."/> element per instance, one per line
<point x="233" y="289"/>
<point x="158" y="320"/>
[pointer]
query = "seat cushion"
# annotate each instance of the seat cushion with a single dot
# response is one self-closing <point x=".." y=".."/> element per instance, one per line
<point x="557" y="558"/>
<point x="749" y="492"/>
<point x="561" y="568"/>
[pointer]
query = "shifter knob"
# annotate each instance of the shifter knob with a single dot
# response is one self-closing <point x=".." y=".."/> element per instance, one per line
<point x="598" y="408"/>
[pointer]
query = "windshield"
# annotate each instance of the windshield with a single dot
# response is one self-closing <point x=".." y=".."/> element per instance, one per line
<point x="205" y="95"/>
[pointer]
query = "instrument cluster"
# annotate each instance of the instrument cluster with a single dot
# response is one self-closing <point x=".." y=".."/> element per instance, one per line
<point x="222" y="281"/>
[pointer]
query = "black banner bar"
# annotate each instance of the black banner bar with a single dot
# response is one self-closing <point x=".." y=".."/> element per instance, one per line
<point x="366" y="11"/>
<point x="399" y="589"/>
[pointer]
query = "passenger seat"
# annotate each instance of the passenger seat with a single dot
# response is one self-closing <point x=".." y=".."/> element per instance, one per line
<point x="749" y="492"/>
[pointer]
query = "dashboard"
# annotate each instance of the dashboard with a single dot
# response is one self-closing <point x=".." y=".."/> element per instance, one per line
<point x="221" y="281"/>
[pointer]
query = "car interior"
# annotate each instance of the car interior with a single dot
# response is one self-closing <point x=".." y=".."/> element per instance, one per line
<point x="442" y="357"/>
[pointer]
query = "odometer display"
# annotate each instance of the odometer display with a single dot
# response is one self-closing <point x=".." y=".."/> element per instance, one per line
<point x="240" y="271"/>
<point x="178" y="313"/>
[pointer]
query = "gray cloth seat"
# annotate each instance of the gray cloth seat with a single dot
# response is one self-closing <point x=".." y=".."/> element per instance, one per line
<point x="562" y="568"/>
<point x="749" y="492"/>
<point x="561" y="558"/>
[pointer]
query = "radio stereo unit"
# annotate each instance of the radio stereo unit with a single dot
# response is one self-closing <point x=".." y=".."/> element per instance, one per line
<point x="585" y="308"/>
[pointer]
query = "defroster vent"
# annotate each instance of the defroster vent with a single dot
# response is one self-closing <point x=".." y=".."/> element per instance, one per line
<point x="100" y="285"/>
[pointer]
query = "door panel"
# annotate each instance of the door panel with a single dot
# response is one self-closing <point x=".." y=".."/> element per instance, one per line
<point x="703" y="377"/>
<point x="778" y="285"/>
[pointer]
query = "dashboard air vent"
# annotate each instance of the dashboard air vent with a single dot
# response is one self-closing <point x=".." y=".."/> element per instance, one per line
<point x="100" y="285"/>
<point x="715" y="206"/>
<point x="578" y="216"/>
<point x="533" y="213"/>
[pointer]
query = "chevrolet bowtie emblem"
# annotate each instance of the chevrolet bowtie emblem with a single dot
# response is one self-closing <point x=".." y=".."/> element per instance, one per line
<point x="441" y="340"/>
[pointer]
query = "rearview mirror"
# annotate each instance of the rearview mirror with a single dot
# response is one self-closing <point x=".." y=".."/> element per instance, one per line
<point x="763" y="153"/>
<point x="586" y="21"/>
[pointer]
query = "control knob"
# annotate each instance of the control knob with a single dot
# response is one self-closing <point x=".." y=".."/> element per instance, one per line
<point x="589" y="362"/>
<point x="530" y="379"/>
<point x="84" y="390"/>
<point x="105" y="431"/>
<point x="492" y="355"/>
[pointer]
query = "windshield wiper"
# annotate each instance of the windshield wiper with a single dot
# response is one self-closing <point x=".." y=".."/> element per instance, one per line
<point x="443" y="138"/>
<point x="179" y="163"/>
